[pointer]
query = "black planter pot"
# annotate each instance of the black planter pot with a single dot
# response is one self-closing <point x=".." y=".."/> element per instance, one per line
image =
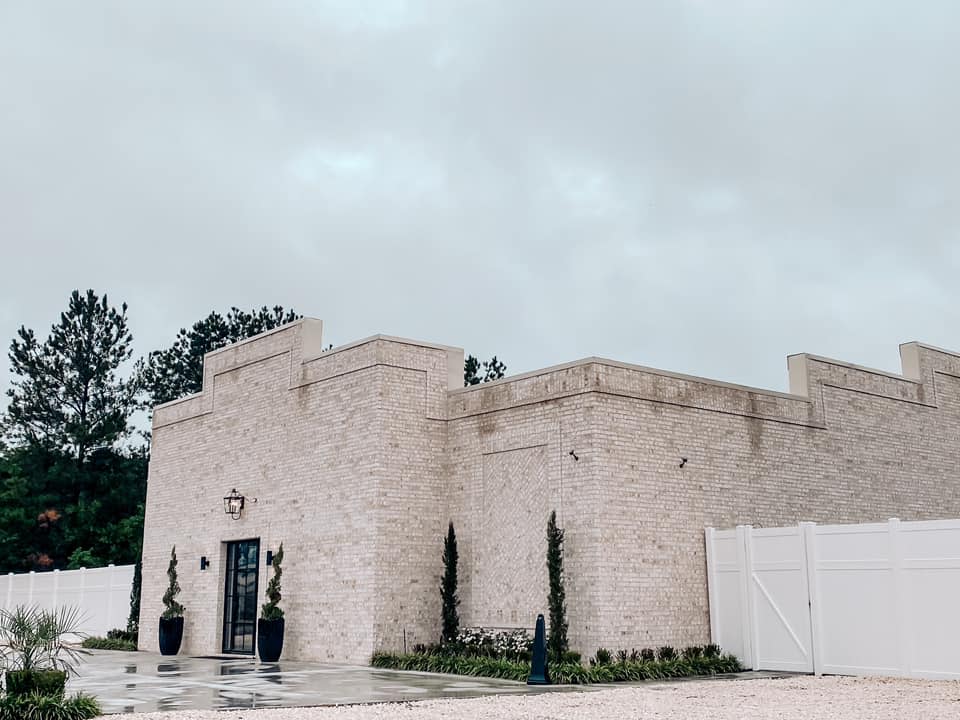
<point x="269" y="639"/>
<point x="171" y="635"/>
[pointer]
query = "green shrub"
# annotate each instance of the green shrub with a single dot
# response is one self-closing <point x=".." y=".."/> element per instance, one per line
<point x="570" y="656"/>
<point x="648" y="655"/>
<point x="448" y="588"/>
<point x="172" y="608"/>
<point x="557" y="643"/>
<point x="118" y="634"/>
<point x="43" y="682"/>
<point x="454" y="664"/>
<point x="45" y="707"/>
<point x="270" y="610"/>
<point x="694" y="651"/>
<point x="603" y="657"/>
<point x="711" y="650"/>
<point x="108" y="643"/>
<point x="666" y="653"/>
<point x="561" y="673"/>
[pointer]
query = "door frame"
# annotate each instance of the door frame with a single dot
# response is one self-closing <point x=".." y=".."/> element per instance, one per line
<point x="227" y="621"/>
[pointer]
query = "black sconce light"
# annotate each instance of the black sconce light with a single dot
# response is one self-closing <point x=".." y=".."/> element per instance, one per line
<point x="204" y="562"/>
<point x="574" y="455"/>
<point x="269" y="558"/>
<point x="683" y="461"/>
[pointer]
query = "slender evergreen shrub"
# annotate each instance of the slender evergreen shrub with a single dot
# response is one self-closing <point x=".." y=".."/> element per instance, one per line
<point x="133" y="620"/>
<point x="557" y="643"/>
<point x="448" y="588"/>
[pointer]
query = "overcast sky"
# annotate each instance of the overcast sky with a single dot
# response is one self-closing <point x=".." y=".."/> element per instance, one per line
<point x="703" y="186"/>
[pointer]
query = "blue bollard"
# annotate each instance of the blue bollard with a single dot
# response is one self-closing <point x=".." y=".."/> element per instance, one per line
<point x="539" y="675"/>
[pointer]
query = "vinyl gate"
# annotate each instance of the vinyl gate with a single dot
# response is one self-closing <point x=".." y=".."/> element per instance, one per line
<point x="870" y="599"/>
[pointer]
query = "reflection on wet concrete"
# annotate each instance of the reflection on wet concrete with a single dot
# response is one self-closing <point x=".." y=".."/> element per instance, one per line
<point x="146" y="682"/>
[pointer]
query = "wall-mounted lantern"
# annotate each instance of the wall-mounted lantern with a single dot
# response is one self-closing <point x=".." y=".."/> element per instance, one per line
<point x="233" y="504"/>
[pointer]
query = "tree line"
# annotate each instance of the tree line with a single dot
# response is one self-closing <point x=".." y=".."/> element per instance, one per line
<point x="73" y="468"/>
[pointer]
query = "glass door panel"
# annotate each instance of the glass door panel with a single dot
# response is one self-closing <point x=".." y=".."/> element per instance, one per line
<point x="240" y="597"/>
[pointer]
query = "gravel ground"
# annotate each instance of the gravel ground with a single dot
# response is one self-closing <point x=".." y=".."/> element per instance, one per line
<point x="802" y="697"/>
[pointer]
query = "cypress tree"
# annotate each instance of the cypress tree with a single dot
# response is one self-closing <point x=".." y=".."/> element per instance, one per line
<point x="448" y="587"/>
<point x="133" y="621"/>
<point x="557" y="635"/>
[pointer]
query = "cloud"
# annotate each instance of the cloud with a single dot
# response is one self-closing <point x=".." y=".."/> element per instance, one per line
<point x="698" y="187"/>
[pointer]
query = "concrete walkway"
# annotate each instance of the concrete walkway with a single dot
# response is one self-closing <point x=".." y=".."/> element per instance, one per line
<point x="145" y="682"/>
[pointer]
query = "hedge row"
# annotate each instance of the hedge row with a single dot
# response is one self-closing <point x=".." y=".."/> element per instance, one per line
<point x="102" y="643"/>
<point x="565" y="673"/>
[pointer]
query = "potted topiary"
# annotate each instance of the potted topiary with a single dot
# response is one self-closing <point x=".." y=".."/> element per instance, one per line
<point x="270" y="624"/>
<point x="171" y="622"/>
<point x="33" y="649"/>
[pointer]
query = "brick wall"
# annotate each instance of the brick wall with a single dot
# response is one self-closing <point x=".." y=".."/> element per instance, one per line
<point x="339" y="452"/>
<point x="359" y="457"/>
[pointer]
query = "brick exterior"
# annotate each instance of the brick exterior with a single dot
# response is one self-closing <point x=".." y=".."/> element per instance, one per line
<point x="360" y="455"/>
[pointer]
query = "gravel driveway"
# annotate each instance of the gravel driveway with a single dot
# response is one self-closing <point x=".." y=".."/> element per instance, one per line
<point x="802" y="697"/>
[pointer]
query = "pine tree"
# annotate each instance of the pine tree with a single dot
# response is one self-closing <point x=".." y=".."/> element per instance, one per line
<point x="173" y="608"/>
<point x="269" y="610"/>
<point x="471" y="370"/>
<point x="493" y="369"/>
<point x="67" y="395"/>
<point x="557" y="636"/>
<point x="448" y="587"/>
<point x="178" y="371"/>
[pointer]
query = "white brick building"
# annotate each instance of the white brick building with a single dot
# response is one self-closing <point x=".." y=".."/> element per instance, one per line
<point x="358" y="457"/>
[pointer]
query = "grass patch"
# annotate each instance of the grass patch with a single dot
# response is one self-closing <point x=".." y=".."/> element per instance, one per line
<point x="563" y="673"/>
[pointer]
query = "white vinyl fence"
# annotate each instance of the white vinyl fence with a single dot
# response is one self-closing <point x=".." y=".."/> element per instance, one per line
<point x="102" y="594"/>
<point x="870" y="599"/>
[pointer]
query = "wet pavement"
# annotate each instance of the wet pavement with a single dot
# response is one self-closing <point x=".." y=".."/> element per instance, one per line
<point x="145" y="682"/>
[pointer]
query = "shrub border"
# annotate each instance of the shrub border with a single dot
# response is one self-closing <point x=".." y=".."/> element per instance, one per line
<point x="562" y="674"/>
<point x="102" y="643"/>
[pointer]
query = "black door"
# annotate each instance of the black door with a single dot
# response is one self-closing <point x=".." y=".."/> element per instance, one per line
<point x="240" y="596"/>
